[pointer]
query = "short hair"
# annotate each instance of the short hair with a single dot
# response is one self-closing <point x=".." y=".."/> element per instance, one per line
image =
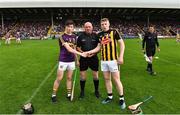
<point x="104" y="19"/>
<point x="69" y="22"/>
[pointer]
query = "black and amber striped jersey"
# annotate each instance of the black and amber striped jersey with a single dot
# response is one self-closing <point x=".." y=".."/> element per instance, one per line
<point x="108" y="42"/>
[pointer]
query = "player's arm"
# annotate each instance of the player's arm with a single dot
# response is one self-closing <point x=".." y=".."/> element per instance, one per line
<point x="79" y="49"/>
<point x="66" y="45"/>
<point x="122" y="48"/>
<point x="95" y="50"/>
<point x="157" y="43"/>
<point x="119" y="38"/>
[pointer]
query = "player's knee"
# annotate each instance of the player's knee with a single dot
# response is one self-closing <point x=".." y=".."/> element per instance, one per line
<point x="69" y="78"/>
<point x="116" y="80"/>
<point x="82" y="75"/>
<point x="58" y="81"/>
<point x="59" y="78"/>
<point x="107" y="78"/>
<point x="95" y="77"/>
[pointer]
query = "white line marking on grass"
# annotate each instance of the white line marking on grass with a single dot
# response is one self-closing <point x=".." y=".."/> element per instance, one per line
<point x="163" y="60"/>
<point x="167" y="61"/>
<point x="39" y="87"/>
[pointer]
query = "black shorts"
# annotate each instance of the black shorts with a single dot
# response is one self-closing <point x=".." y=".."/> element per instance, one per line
<point x="92" y="63"/>
<point x="150" y="51"/>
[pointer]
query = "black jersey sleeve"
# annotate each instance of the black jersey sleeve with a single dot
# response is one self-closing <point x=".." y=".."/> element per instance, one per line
<point x="79" y="41"/>
<point x="99" y="35"/>
<point x="97" y="38"/>
<point x="117" y="35"/>
<point x="156" y="39"/>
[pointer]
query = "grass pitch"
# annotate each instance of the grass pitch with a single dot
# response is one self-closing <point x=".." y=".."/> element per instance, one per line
<point x="27" y="72"/>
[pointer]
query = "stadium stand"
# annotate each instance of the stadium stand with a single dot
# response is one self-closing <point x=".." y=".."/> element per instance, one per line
<point x="39" y="23"/>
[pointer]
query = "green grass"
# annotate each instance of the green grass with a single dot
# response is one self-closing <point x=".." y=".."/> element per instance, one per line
<point x="24" y="67"/>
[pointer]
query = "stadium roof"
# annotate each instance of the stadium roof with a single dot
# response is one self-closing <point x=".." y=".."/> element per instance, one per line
<point x="175" y="4"/>
<point x="85" y="12"/>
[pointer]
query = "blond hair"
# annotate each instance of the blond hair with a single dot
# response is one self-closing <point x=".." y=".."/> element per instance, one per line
<point x="104" y="19"/>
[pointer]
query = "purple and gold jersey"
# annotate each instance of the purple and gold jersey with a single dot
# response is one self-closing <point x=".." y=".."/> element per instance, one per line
<point x="65" y="55"/>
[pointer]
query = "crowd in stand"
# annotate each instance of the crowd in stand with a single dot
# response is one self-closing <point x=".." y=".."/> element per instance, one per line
<point x="131" y="28"/>
<point x="4" y="29"/>
<point x="32" y="29"/>
<point x="28" y="29"/>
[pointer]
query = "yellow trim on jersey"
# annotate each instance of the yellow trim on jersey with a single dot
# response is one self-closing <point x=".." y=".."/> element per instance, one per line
<point x="104" y="50"/>
<point x="112" y="43"/>
<point x="108" y="48"/>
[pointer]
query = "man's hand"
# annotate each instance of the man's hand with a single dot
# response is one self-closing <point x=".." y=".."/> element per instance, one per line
<point x="84" y="54"/>
<point x="90" y="55"/>
<point x="120" y="60"/>
<point x="158" y="49"/>
<point x="89" y="52"/>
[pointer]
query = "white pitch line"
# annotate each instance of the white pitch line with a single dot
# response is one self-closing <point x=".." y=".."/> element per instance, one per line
<point x="164" y="60"/>
<point x="39" y="87"/>
<point x="167" y="61"/>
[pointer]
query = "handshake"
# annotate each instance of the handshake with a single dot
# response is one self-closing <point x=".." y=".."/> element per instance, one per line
<point x="87" y="54"/>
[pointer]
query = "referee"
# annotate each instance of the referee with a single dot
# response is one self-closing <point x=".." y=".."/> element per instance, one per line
<point x="150" y="41"/>
<point x="88" y="41"/>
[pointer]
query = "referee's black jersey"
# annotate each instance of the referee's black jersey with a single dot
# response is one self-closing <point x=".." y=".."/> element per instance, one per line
<point x="87" y="41"/>
<point x="150" y="40"/>
<point x="108" y="42"/>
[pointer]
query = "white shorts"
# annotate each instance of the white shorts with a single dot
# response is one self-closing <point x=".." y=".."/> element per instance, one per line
<point x="111" y="66"/>
<point x="66" y="66"/>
